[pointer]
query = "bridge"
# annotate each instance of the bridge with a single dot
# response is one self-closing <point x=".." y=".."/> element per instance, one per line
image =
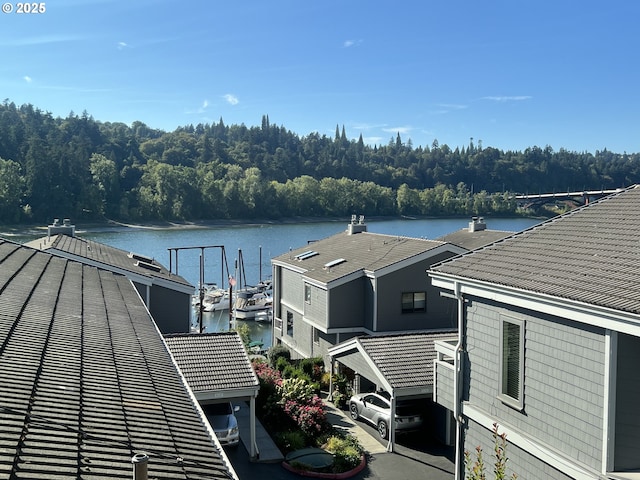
<point x="578" y="197"/>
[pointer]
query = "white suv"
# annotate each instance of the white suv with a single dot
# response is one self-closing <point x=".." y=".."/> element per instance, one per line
<point x="223" y="421"/>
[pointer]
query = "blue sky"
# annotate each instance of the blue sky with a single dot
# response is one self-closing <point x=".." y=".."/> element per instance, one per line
<point x="512" y="74"/>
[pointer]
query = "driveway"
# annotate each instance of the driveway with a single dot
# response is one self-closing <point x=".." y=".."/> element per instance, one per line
<point x="415" y="457"/>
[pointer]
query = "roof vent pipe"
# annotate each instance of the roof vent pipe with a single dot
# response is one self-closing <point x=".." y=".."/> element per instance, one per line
<point x="140" y="461"/>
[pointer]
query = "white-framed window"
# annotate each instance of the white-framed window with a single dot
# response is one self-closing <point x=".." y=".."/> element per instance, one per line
<point x="316" y="336"/>
<point x="512" y="362"/>
<point x="414" y="302"/>
<point x="307" y="293"/>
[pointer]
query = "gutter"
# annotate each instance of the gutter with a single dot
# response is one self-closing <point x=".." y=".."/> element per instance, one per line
<point x="457" y="387"/>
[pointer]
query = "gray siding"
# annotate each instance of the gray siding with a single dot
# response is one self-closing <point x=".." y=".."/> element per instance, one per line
<point x="291" y="288"/>
<point x="520" y="462"/>
<point x="440" y="313"/>
<point x="444" y="379"/>
<point x="316" y="309"/>
<point x="563" y="379"/>
<point x="170" y="310"/>
<point x="627" y="443"/>
<point x="346" y="305"/>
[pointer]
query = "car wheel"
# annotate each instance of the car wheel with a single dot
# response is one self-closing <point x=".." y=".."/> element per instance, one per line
<point x="353" y="411"/>
<point x="382" y="429"/>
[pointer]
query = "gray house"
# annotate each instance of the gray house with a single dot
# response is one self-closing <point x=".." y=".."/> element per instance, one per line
<point x="549" y="345"/>
<point x="357" y="283"/>
<point x="168" y="296"/>
<point x="87" y="383"/>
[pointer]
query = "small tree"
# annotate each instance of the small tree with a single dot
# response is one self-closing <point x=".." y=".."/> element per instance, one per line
<point x="476" y="469"/>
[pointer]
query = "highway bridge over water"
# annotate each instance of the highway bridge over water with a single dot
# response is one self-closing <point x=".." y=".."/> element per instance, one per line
<point x="579" y="197"/>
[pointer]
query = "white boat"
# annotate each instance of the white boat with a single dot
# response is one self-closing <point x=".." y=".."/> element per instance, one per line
<point x="216" y="301"/>
<point x="264" y="316"/>
<point x="248" y="303"/>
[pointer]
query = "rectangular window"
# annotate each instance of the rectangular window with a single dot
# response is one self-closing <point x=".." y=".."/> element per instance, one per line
<point x="307" y="293"/>
<point x="512" y="362"/>
<point x="316" y="336"/>
<point x="290" y="324"/>
<point x="414" y="302"/>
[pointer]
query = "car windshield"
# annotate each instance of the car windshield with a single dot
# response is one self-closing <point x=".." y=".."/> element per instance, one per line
<point x="219" y="408"/>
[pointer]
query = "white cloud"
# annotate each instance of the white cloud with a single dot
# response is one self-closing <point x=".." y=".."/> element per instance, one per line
<point x="231" y="99"/>
<point x="205" y="104"/>
<point x="401" y="130"/>
<point x="367" y="126"/>
<point x="372" y="140"/>
<point x="27" y="79"/>
<point x="352" y="43"/>
<point x="122" y="45"/>
<point x="515" y="98"/>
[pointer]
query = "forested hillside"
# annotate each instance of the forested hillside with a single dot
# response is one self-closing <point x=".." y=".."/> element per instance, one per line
<point x="85" y="169"/>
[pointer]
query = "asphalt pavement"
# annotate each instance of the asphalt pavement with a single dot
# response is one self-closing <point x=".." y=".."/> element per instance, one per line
<point x="414" y="456"/>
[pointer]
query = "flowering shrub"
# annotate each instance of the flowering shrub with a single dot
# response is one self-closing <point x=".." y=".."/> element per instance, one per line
<point x="303" y="406"/>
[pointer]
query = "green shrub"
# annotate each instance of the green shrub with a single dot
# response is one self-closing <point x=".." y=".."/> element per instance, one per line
<point x="347" y="452"/>
<point x="276" y="352"/>
<point x="290" y="441"/>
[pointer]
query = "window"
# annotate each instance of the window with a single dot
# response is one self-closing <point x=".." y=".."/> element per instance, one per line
<point x="307" y="293"/>
<point x="316" y="336"/>
<point x="414" y="302"/>
<point x="290" y="324"/>
<point x="511" y="362"/>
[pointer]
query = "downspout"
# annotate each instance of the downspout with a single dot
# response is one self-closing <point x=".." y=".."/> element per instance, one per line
<point x="457" y="387"/>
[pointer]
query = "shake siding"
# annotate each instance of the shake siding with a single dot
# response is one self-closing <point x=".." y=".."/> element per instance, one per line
<point x="563" y="380"/>
<point x="444" y="385"/>
<point x="316" y="309"/>
<point x="521" y="463"/>
<point x="292" y="289"/>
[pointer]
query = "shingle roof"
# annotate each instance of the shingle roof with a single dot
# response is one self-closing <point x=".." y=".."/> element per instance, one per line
<point x="589" y="255"/>
<point x="213" y="361"/>
<point x="361" y="252"/>
<point x="86" y="380"/>
<point x="405" y="360"/>
<point x="472" y="240"/>
<point x="108" y="256"/>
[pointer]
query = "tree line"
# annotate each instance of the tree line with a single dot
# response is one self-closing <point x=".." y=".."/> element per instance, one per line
<point x="85" y="169"/>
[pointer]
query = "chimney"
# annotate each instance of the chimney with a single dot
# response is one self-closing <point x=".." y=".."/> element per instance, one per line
<point x="477" y="224"/>
<point x="356" y="225"/>
<point x="64" y="228"/>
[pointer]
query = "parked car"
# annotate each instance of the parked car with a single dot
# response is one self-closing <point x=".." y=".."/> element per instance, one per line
<point x="375" y="408"/>
<point x="223" y="421"/>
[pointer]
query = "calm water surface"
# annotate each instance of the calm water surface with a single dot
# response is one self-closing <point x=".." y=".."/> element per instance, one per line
<point x="257" y="244"/>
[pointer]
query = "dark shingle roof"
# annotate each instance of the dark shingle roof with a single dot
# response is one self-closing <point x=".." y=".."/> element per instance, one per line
<point x="106" y="256"/>
<point x="86" y="380"/>
<point x="405" y="360"/>
<point x="361" y="252"/>
<point x="589" y="255"/>
<point x="213" y="361"/>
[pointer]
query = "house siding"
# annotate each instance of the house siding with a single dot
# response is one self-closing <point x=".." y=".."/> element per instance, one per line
<point x="440" y="312"/>
<point x="316" y="309"/>
<point x="523" y="464"/>
<point x="443" y="384"/>
<point x="564" y="369"/>
<point x="345" y="305"/>
<point x="291" y="288"/>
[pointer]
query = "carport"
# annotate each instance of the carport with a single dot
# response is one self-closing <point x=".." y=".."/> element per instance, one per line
<point x="217" y="368"/>
<point x="401" y="364"/>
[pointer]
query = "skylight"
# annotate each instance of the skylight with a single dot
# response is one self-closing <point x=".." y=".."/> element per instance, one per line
<point x="307" y="254"/>
<point x="148" y="266"/>
<point x="142" y="258"/>
<point x="333" y="263"/>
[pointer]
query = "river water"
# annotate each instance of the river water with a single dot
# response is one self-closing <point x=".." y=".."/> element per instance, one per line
<point x="255" y="245"/>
